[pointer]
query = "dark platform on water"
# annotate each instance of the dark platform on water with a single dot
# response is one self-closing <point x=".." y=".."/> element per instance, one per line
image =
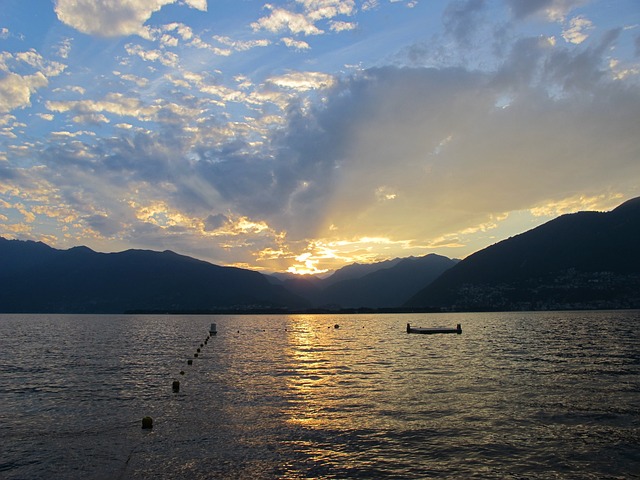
<point x="430" y="331"/>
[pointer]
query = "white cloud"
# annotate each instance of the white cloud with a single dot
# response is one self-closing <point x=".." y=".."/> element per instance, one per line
<point x="64" y="48"/>
<point x="19" y="61"/>
<point x="296" y="44"/>
<point x="110" y="18"/>
<point x="239" y="45"/>
<point x="91" y="118"/>
<point x="319" y="9"/>
<point x="280" y="20"/>
<point x="342" y="26"/>
<point x="116" y="104"/>
<point x="197" y="4"/>
<point x="303" y="81"/>
<point x="185" y="32"/>
<point x="576" y="32"/>
<point x="168" y="59"/>
<point x="16" y="90"/>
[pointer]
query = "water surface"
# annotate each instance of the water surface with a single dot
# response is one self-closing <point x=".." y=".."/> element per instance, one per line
<point x="517" y="395"/>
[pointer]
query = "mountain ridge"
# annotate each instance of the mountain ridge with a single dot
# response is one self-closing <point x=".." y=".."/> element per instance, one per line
<point x="578" y="260"/>
<point x="80" y="280"/>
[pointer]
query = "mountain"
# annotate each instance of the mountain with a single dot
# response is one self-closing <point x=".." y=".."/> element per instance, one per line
<point x="580" y="260"/>
<point x="37" y="278"/>
<point x="384" y="287"/>
<point x="359" y="270"/>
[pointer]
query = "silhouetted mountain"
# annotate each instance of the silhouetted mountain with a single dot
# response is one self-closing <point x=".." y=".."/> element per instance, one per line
<point x="358" y="270"/>
<point x="308" y="287"/>
<point x="385" y="287"/>
<point x="38" y="278"/>
<point x="581" y="260"/>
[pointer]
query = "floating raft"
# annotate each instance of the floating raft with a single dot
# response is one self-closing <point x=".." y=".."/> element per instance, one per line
<point x="431" y="331"/>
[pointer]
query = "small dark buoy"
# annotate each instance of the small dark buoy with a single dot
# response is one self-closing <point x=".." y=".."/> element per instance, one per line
<point x="176" y="386"/>
<point x="147" y="423"/>
<point x="336" y="326"/>
<point x="195" y="355"/>
<point x="198" y="350"/>
<point x="201" y="345"/>
<point x="181" y="372"/>
<point x="189" y="362"/>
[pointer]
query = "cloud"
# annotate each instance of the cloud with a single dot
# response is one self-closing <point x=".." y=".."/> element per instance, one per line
<point x="575" y="33"/>
<point x="462" y="18"/>
<point x="281" y="20"/>
<point x="16" y="90"/>
<point x="553" y="10"/>
<point x="375" y="159"/>
<point x="241" y="46"/>
<point x="168" y="59"/>
<point x="296" y="44"/>
<point x="215" y="222"/>
<point x="424" y="137"/>
<point x="303" y="81"/>
<point x="336" y="26"/>
<point x="111" y="18"/>
<point x="115" y="103"/>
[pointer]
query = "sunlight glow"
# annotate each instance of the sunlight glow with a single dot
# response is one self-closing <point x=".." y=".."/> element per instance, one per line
<point x="577" y="203"/>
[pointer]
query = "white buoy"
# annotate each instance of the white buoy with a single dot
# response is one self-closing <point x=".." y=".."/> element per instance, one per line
<point x="213" y="330"/>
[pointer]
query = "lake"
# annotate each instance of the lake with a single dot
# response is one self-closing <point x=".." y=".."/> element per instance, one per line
<point x="517" y="395"/>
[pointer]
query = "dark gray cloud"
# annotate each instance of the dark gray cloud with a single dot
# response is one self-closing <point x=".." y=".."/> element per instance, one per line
<point x="524" y="8"/>
<point x="214" y="222"/>
<point x="462" y="18"/>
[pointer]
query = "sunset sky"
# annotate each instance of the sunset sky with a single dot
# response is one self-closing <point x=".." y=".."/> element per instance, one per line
<point x="304" y="135"/>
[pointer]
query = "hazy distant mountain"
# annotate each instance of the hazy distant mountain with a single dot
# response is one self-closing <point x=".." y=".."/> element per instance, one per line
<point x="581" y="260"/>
<point x="378" y="285"/>
<point x="38" y="278"/>
<point x="385" y="287"/>
<point x="359" y="270"/>
<point x="383" y="284"/>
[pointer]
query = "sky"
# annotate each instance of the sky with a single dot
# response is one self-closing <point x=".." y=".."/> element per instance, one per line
<point x="305" y="135"/>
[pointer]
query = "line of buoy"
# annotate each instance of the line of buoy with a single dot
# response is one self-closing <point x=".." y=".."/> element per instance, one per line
<point x="147" y="422"/>
<point x="212" y="330"/>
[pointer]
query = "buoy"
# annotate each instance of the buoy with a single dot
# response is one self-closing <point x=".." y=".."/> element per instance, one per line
<point x="189" y="362"/>
<point x="176" y="386"/>
<point x="213" y="330"/>
<point x="181" y="372"/>
<point x="198" y="350"/>
<point x="336" y="326"/>
<point x="147" y="423"/>
<point x="195" y="355"/>
<point x="201" y="345"/>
